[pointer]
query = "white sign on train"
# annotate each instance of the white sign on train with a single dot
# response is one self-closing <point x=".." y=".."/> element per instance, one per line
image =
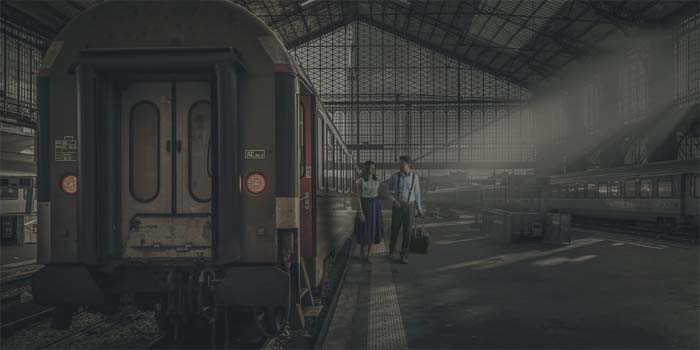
<point x="254" y="154"/>
<point x="66" y="149"/>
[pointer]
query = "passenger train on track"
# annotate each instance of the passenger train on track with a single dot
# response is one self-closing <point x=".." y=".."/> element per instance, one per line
<point x="662" y="198"/>
<point x="208" y="181"/>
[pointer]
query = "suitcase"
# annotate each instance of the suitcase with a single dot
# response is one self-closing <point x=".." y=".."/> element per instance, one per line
<point x="420" y="239"/>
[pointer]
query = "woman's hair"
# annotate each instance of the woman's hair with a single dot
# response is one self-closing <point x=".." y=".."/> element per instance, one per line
<point x="365" y="170"/>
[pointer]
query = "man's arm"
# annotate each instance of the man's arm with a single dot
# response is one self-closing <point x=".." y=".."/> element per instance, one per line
<point x="388" y="188"/>
<point x="416" y="191"/>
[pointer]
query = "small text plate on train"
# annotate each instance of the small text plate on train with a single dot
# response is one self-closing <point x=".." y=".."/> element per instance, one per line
<point x="254" y="154"/>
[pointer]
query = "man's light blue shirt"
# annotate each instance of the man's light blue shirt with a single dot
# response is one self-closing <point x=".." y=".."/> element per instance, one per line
<point x="403" y="183"/>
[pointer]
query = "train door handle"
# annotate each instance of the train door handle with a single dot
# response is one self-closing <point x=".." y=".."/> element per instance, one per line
<point x="167" y="146"/>
<point x="179" y="146"/>
<point x="306" y="200"/>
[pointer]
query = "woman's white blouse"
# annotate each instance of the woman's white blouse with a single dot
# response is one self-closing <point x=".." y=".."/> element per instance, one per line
<point x="370" y="188"/>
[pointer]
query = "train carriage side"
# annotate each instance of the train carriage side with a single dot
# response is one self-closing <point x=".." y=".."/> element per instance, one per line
<point x="655" y="194"/>
<point x="327" y="194"/>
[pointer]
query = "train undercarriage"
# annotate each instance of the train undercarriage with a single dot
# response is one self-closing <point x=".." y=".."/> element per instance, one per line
<point x="192" y="300"/>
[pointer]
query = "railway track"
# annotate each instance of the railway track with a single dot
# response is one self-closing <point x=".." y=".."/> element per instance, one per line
<point x="327" y="316"/>
<point x="10" y="328"/>
<point x="96" y="330"/>
<point x="13" y="287"/>
<point x="639" y="232"/>
<point x="17" y="307"/>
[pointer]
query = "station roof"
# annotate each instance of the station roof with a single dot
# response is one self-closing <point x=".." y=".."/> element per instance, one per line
<point x="524" y="41"/>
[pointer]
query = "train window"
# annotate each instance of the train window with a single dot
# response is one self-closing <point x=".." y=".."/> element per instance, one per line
<point x="302" y="141"/>
<point x="665" y="188"/>
<point x="580" y="190"/>
<point x="645" y="188"/>
<point x="198" y="139"/>
<point x="630" y="189"/>
<point x="8" y="226"/>
<point x="347" y="173"/>
<point x="341" y="171"/>
<point x="337" y="166"/>
<point x="615" y="189"/>
<point x="320" y="153"/>
<point x="144" y="160"/>
<point x="590" y="190"/>
<point x="9" y="193"/>
<point x="602" y="190"/>
<point x="330" y="159"/>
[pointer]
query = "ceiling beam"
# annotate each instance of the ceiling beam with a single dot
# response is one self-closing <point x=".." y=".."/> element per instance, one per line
<point x="318" y="33"/>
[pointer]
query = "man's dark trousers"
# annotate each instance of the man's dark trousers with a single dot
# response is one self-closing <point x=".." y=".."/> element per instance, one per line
<point x="402" y="217"/>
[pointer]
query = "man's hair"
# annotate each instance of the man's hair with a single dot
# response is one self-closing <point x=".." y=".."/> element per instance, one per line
<point x="406" y="159"/>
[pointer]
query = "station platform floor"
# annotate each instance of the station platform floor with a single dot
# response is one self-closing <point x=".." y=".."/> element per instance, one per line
<point x="602" y="291"/>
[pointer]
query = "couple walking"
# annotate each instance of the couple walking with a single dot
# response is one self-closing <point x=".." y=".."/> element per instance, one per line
<point x="403" y="188"/>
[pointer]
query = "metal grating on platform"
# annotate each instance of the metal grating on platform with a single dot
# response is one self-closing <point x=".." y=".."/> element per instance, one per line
<point x="385" y="329"/>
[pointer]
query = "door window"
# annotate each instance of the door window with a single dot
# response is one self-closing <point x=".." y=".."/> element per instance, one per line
<point x="615" y="189"/>
<point x="199" y="121"/>
<point x="144" y="134"/>
<point x="590" y="190"/>
<point x="645" y="188"/>
<point x="665" y="188"/>
<point x="602" y="190"/>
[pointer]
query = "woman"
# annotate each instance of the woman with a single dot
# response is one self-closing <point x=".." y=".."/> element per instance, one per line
<point x="369" y="225"/>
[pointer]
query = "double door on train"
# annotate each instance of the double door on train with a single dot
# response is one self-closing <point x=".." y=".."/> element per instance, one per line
<point x="166" y="177"/>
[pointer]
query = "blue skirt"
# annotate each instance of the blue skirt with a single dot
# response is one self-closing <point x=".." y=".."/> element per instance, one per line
<point x="372" y="230"/>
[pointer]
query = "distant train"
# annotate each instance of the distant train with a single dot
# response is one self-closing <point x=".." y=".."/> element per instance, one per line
<point x="17" y="208"/>
<point x="187" y="168"/>
<point x="660" y="196"/>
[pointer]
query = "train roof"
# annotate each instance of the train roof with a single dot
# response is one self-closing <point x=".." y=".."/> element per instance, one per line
<point x="665" y="168"/>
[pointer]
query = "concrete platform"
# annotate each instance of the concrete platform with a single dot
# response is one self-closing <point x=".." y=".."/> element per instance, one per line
<point x="603" y="291"/>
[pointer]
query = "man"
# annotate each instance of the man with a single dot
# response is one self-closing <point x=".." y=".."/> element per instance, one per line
<point x="404" y="191"/>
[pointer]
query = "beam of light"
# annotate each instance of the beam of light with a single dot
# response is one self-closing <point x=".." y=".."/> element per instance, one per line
<point x="638" y="244"/>
<point x="448" y="223"/>
<point x="307" y="3"/>
<point x="451" y="241"/>
<point x="507" y="259"/>
<point x="562" y="260"/>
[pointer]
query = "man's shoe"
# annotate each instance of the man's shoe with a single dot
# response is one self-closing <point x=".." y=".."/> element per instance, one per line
<point x="391" y="255"/>
<point x="404" y="260"/>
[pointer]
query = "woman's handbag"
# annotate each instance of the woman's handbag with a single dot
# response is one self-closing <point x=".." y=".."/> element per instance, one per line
<point x="420" y="239"/>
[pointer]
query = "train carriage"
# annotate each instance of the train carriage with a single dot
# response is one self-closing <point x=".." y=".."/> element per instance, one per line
<point x="198" y="180"/>
<point x="659" y="194"/>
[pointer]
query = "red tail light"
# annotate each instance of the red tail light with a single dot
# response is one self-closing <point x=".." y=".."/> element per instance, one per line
<point x="255" y="183"/>
<point x="69" y="184"/>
